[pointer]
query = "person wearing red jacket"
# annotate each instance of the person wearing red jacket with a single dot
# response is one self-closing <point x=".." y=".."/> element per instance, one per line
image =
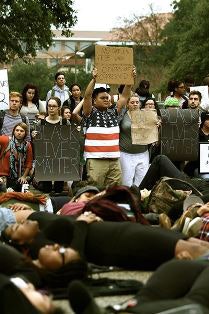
<point x="16" y="157"/>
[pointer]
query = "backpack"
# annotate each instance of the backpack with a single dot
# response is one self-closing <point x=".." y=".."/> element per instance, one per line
<point x="53" y="93"/>
<point x="2" y="114"/>
<point x="164" y="195"/>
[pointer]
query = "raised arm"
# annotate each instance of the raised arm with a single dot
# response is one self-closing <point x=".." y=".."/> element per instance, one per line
<point x="122" y="101"/>
<point x="75" y="114"/>
<point x="87" y="100"/>
<point x="78" y="107"/>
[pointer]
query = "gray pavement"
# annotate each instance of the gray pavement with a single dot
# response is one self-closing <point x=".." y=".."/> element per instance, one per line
<point x="110" y="300"/>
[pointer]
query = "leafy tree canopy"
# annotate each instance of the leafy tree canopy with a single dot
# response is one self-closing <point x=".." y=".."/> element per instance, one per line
<point x="176" y="50"/>
<point x="26" y="25"/>
<point x="38" y="74"/>
<point x="186" y="42"/>
<point x="43" y="77"/>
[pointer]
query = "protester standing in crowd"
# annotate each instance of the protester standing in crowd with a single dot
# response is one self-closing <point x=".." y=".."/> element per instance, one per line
<point x="192" y="167"/>
<point x="143" y="90"/>
<point x="75" y="119"/>
<point x="101" y="149"/>
<point x="171" y="103"/>
<point x="75" y="97"/>
<point x="177" y="90"/>
<point x="149" y="104"/>
<point x="134" y="159"/>
<point x="53" y="117"/>
<point x="66" y="113"/>
<point x="194" y="101"/>
<point x="59" y="90"/>
<point x="16" y="157"/>
<point x="31" y="104"/>
<point x="9" y="118"/>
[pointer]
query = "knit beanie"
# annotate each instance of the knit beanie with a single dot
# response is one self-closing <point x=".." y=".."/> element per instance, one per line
<point x="171" y="102"/>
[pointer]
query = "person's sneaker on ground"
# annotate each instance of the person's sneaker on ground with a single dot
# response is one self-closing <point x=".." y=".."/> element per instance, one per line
<point x="164" y="221"/>
<point x="186" y="225"/>
<point x="194" y="227"/>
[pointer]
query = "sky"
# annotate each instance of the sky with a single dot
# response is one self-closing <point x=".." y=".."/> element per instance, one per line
<point x="107" y="14"/>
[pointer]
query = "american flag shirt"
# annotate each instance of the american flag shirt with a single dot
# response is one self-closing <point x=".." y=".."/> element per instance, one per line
<point x="101" y="134"/>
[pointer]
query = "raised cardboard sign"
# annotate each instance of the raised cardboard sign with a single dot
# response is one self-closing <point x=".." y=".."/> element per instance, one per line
<point x="179" y="134"/>
<point x="144" y="128"/>
<point x="204" y="158"/>
<point x="57" y="153"/>
<point x="114" y="65"/>
<point x="4" y="90"/>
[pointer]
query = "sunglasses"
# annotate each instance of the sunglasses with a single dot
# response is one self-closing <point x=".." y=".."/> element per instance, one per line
<point x="62" y="251"/>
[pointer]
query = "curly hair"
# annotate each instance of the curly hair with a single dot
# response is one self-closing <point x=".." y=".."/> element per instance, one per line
<point x="36" y="95"/>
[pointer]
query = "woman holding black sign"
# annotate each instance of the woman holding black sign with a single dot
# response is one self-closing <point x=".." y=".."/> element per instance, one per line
<point x="53" y="108"/>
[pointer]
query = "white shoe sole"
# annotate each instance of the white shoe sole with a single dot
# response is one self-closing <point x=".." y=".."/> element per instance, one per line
<point x="194" y="227"/>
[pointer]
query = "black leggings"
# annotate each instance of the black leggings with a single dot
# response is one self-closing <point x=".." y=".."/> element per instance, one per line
<point x="160" y="167"/>
<point x="47" y="187"/>
<point x="163" y="166"/>
<point x="175" y="283"/>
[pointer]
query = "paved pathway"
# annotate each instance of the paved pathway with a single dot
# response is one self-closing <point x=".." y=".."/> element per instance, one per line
<point x="103" y="301"/>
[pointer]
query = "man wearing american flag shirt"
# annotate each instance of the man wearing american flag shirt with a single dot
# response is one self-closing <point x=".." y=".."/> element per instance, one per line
<point x="101" y="148"/>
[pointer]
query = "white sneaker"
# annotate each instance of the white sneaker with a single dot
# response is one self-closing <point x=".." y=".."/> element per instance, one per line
<point x="186" y="225"/>
<point x="10" y="190"/>
<point x="194" y="227"/>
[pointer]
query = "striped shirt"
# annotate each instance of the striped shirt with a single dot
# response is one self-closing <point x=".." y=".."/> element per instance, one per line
<point x="9" y="123"/>
<point x="101" y="134"/>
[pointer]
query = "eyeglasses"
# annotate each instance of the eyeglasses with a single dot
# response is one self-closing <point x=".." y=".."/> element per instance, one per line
<point x="52" y="106"/>
<point x="181" y="87"/>
<point x="62" y="251"/>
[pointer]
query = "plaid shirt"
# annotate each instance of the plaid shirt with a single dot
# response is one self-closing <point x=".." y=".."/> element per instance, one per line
<point x="204" y="231"/>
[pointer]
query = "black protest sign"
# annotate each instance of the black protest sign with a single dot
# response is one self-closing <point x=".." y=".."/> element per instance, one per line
<point x="179" y="134"/>
<point x="57" y="153"/>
